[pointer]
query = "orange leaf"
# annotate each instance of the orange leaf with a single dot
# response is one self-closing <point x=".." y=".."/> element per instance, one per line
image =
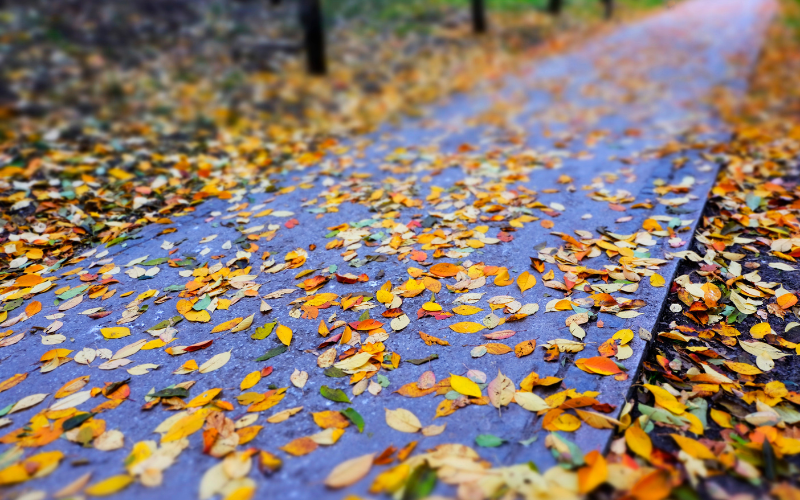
<point x="226" y="325"/>
<point x="654" y="486"/>
<point x="787" y="300"/>
<point x="412" y="390"/>
<point x="444" y="269"/>
<point x="300" y="446"/>
<point x="323" y="328"/>
<point x="330" y="419"/>
<point x="33" y="308"/>
<point x="12" y="381"/>
<point x="495" y="348"/>
<point x="524" y="348"/>
<point x="593" y="474"/>
<point x="430" y="339"/>
<point x="598" y="365"/>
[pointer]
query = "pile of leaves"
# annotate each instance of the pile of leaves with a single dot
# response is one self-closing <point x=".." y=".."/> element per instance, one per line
<point x="717" y="411"/>
<point x="114" y="120"/>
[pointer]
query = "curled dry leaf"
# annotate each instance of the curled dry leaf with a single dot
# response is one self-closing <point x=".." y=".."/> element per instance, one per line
<point x="350" y="472"/>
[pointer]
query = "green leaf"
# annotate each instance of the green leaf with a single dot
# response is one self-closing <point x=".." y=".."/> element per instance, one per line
<point x="155" y="262"/>
<point x="167" y="322"/>
<point x="263" y="332"/>
<point x="337" y="395"/>
<point x="11" y="305"/>
<point x="769" y="461"/>
<point x="423" y="360"/>
<point x="173" y="392"/>
<point x="354" y="417"/>
<point x="76" y="421"/>
<point x="420" y="484"/>
<point x="201" y="304"/>
<point x="73" y="292"/>
<point x="273" y="352"/>
<point x="7" y="409"/>
<point x="334" y="372"/>
<point x="489" y="440"/>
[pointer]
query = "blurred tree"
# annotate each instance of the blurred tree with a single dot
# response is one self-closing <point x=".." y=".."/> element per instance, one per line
<point x="478" y="16"/>
<point x="554" y="7"/>
<point x="608" y="6"/>
<point x="313" y="36"/>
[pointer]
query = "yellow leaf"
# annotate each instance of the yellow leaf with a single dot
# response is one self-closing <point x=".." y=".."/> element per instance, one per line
<point x="109" y="486"/>
<point x="284" y="334"/>
<point x="187" y="367"/>
<point x="638" y="441"/>
<point x="242" y="493"/>
<point x="467" y="327"/>
<point x="323" y="328"/>
<point x="226" y="325"/>
<point x="722" y="418"/>
<point x="597" y="420"/>
<point x="526" y="281"/>
<point x="657" y="280"/>
<point x="760" y="330"/>
<point x="244" y="324"/>
<point x="464" y="386"/>
<point x="496" y="348"/>
<point x="694" y="448"/>
<point x="204" y="398"/>
<point x="524" y="348"/>
<point x="624" y="336"/>
<point x="502" y="278"/>
<point x="384" y="297"/>
<point x="557" y="420"/>
<point x="743" y="368"/>
<point x="466" y="310"/>
<point x="666" y="400"/>
<point x="250" y="380"/>
<point x="530" y="401"/>
<point x="115" y="332"/>
<point x="284" y="415"/>
<point x="390" y="480"/>
<point x="198" y="316"/>
<point x="120" y="174"/>
<point x="186" y="426"/>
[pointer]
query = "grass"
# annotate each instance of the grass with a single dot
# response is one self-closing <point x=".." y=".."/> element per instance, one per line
<point x="411" y="15"/>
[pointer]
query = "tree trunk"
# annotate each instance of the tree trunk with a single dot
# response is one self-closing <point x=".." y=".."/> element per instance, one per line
<point x="314" y="36"/>
<point x="478" y="16"/>
<point x="554" y="7"/>
<point x="608" y="6"/>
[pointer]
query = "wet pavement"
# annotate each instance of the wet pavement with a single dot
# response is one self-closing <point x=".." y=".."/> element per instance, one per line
<point x="643" y="85"/>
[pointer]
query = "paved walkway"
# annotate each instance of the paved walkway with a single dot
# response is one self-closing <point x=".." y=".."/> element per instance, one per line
<point x="602" y="127"/>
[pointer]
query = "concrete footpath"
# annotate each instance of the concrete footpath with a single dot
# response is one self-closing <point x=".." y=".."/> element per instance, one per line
<point x="595" y="142"/>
